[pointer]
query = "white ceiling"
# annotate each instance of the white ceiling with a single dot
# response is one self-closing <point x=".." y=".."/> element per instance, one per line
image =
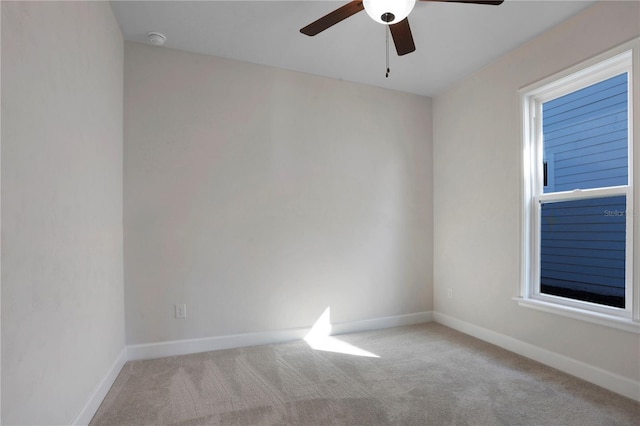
<point x="452" y="39"/>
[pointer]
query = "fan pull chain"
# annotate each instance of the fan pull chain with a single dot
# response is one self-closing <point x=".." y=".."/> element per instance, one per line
<point x="387" y="33"/>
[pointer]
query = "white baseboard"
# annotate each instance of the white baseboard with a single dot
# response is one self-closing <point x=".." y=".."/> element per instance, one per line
<point x="205" y="344"/>
<point x="606" y="379"/>
<point x="96" y="398"/>
<point x="380" y="323"/>
<point x="189" y="346"/>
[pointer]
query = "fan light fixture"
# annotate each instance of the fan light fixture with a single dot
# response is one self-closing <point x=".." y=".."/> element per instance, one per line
<point x="393" y="13"/>
<point x="388" y="11"/>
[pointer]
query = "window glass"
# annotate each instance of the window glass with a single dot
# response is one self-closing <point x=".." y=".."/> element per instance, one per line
<point x="585" y="136"/>
<point x="582" y="250"/>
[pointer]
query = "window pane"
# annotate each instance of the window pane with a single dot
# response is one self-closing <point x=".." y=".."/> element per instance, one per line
<point x="582" y="250"/>
<point x="585" y="137"/>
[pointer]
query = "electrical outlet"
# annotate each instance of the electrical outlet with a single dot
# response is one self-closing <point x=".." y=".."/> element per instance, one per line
<point x="449" y="293"/>
<point x="181" y="311"/>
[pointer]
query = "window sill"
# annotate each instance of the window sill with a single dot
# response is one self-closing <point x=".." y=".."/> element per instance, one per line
<point x="580" y="314"/>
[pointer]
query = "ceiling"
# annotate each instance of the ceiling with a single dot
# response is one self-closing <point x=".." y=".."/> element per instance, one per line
<point x="452" y="39"/>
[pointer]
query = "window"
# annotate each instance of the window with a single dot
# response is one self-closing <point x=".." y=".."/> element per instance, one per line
<point x="578" y="202"/>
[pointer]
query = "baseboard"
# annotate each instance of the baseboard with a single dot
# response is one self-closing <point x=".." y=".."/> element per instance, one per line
<point x="205" y="344"/>
<point x="189" y="346"/>
<point x="380" y="323"/>
<point x="611" y="381"/>
<point x="92" y="405"/>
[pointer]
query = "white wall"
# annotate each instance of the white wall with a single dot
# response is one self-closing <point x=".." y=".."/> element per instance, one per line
<point x="62" y="266"/>
<point x="259" y="197"/>
<point x="477" y="156"/>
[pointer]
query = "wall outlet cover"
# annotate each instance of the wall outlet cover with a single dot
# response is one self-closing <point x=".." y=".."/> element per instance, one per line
<point x="181" y="311"/>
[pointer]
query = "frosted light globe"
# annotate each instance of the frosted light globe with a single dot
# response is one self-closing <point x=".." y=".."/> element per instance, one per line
<point x="388" y="11"/>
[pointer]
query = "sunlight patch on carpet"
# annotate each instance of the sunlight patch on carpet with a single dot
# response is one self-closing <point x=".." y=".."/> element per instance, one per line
<point x="320" y="339"/>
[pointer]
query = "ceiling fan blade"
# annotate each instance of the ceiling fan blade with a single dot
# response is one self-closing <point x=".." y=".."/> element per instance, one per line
<point x="402" y="37"/>
<point x="333" y="18"/>
<point x="489" y="2"/>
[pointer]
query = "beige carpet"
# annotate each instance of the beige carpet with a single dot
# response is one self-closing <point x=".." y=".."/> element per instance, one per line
<point x="425" y="375"/>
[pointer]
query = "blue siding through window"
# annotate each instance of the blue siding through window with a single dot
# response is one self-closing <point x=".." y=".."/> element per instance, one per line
<point x="583" y="245"/>
<point x="586" y="132"/>
<point x="586" y="146"/>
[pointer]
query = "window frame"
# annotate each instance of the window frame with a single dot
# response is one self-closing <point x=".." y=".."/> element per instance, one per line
<point x="624" y="58"/>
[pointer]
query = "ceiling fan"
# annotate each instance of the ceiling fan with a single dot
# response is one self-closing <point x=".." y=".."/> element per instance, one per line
<point x="389" y="12"/>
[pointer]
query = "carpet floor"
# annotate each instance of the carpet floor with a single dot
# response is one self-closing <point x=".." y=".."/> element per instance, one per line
<point x="425" y="374"/>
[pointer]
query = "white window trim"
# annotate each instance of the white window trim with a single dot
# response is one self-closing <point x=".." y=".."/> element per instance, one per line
<point x="624" y="58"/>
